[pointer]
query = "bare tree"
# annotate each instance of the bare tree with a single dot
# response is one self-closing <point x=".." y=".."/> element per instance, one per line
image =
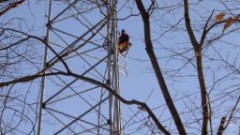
<point x="199" y="47"/>
<point x="191" y="47"/>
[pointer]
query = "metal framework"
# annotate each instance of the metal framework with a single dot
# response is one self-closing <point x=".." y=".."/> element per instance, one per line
<point x="85" y="35"/>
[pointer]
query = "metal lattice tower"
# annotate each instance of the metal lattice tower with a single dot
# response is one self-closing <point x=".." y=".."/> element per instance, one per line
<point x="84" y="34"/>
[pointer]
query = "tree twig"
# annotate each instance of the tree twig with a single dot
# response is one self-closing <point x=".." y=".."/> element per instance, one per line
<point x="11" y="6"/>
<point x="90" y="80"/>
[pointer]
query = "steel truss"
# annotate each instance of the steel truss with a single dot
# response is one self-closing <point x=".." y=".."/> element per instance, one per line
<point x="84" y="34"/>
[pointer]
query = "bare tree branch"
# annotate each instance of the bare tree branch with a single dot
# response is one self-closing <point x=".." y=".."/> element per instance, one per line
<point x="157" y="69"/>
<point x="12" y="5"/>
<point x="204" y="34"/>
<point x="221" y="126"/>
<point x="131" y="102"/>
<point x="198" y="54"/>
<point x="44" y="42"/>
<point x="224" y="123"/>
<point x="1" y="1"/>
<point x="188" y="24"/>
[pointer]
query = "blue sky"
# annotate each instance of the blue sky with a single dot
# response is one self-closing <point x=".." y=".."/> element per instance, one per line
<point x="140" y="82"/>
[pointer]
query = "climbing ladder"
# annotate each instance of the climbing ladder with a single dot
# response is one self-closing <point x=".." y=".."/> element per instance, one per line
<point x="69" y="105"/>
<point x="123" y="64"/>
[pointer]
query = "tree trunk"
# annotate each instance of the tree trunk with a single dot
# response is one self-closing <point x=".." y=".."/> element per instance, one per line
<point x="157" y="69"/>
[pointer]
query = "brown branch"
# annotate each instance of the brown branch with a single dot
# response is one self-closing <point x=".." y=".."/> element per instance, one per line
<point x="12" y="5"/>
<point x="215" y="24"/>
<point x="14" y="44"/>
<point x="157" y="69"/>
<point x="204" y="94"/>
<point x="1" y="1"/>
<point x="221" y="126"/>
<point x="89" y="80"/>
<point x="201" y="79"/>
<point x="205" y="31"/>
<point x="151" y="7"/>
<point x="224" y="123"/>
<point x="45" y="43"/>
<point x="188" y="24"/>
<point x="210" y="113"/>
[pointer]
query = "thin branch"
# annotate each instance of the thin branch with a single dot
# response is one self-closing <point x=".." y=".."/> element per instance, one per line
<point x="188" y="24"/>
<point x="232" y="113"/>
<point x="90" y="80"/>
<point x="45" y="43"/>
<point x="12" y="5"/>
<point x="151" y="7"/>
<point x="1" y="1"/>
<point x="205" y="31"/>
